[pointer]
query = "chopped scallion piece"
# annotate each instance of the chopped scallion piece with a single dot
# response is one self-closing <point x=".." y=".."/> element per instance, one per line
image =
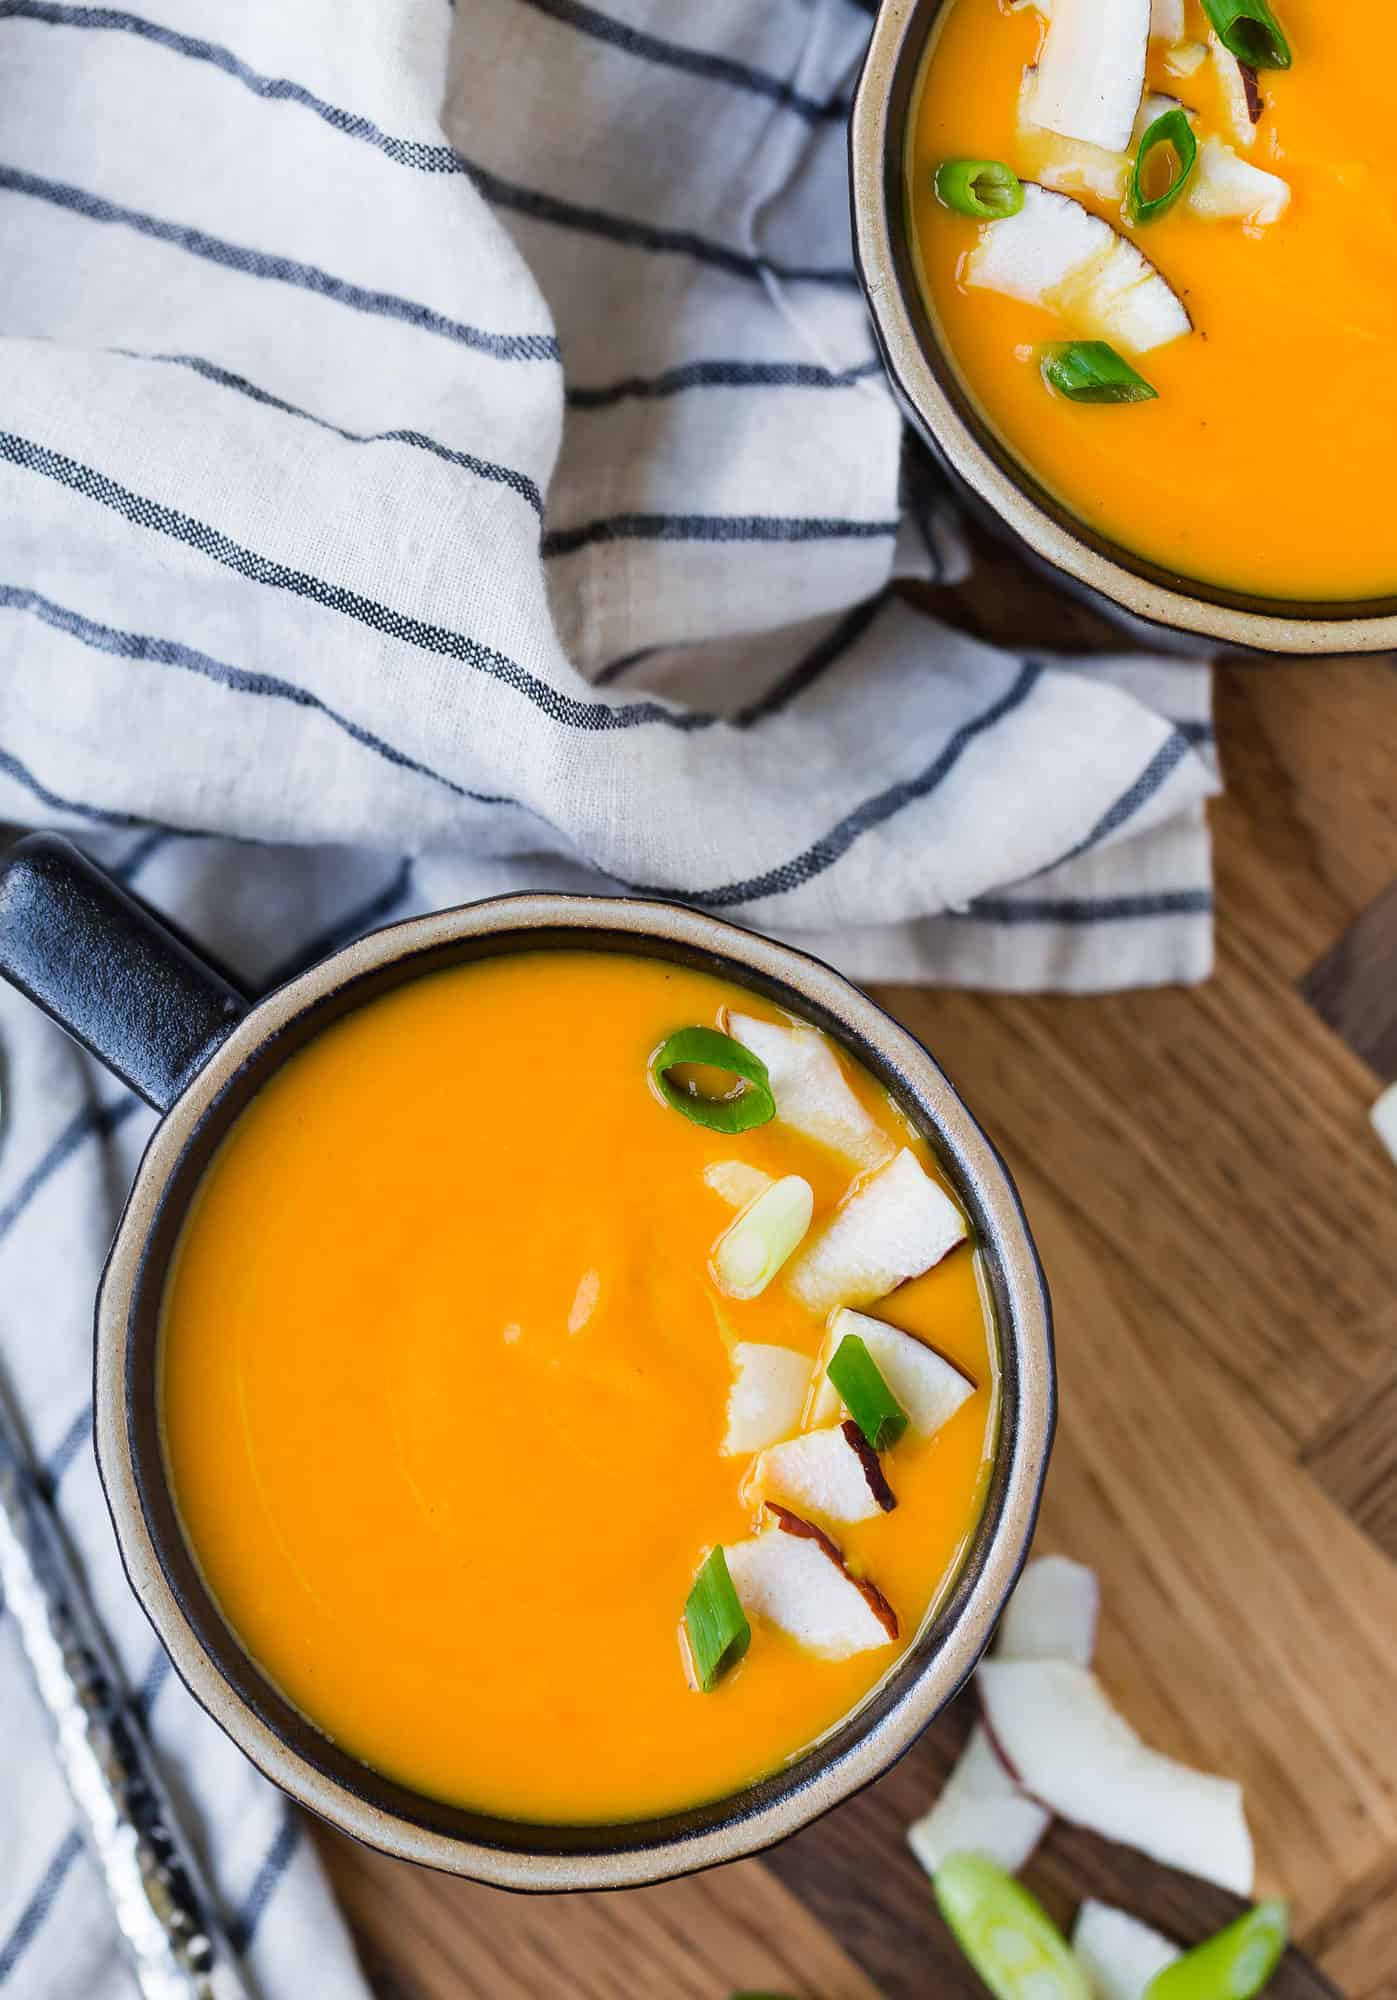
<point x="1234" y="1965"/>
<point x="865" y="1394"/>
<point x="987" y="190"/>
<point x="748" y="1255"/>
<point x="741" y="1109"/>
<point x="1090" y="371"/>
<point x="1009" y="1938"/>
<point x="1170" y="132"/>
<point x="1250" y="31"/>
<point x="716" y="1623"/>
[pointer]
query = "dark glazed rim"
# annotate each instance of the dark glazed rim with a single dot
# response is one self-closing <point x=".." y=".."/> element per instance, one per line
<point x="386" y="1815"/>
<point x="929" y="388"/>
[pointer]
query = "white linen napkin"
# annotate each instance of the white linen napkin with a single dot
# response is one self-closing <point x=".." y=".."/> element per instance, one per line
<point x="444" y="451"/>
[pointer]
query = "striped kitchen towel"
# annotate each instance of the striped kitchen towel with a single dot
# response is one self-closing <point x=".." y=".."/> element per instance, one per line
<point x="443" y="450"/>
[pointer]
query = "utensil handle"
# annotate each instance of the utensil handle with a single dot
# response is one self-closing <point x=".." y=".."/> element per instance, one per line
<point x="106" y="969"/>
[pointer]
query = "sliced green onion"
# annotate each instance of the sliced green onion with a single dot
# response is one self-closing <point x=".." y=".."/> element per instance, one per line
<point x="1250" y="31"/>
<point x="1173" y="130"/>
<point x="1090" y="371"/>
<point x="1234" y="1965"/>
<point x="984" y="189"/>
<point x="739" y="1111"/>
<point x="1009" y="1938"/>
<point x="866" y="1396"/>
<point x="752" y="1250"/>
<point x="716" y="1623"/>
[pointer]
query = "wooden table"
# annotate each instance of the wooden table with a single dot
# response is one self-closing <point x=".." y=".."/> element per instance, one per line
<point x="1219" y="1227"/>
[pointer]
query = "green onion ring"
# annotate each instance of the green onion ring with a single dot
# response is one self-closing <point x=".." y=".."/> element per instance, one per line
<point x="1171" y="128"/>
<point x="1091" y="371"/>
<point x="717" y="1625"/>
<point x="1249" y="30"/>
<point x="865" y="1393"/>
<point x="1238" y="1962"/>
<point x="747" y="1108"/>
<point x="985" y="190"/>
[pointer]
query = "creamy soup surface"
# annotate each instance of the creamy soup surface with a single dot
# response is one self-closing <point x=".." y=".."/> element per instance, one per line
<point x="1263" y="464"/>
<point x="447" y="1379"/>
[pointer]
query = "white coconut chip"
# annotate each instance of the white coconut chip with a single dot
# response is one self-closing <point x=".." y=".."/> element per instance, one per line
<point x="1243" y="106"/>
<point x="1057" y="254"/>
<point x="929" y="1387"/>
<point x="1070" y="166"/>
<point x="767" y="1396"/>
<point x="1071" y="1750"/>
<point x="1186" y="58"/>
<point x="1052" y="1614"/>
<point x="1227" y="188"/>
<point x="1119" y="1954"/>
<point x="797" y="1581"/>
<point x="1166" y="20"/>
<point x="1092" y="71"/>
<point x="812" y="1093"/>
<point x="895" y="1224"/>
<point x="736" y="1181"/>
<point x="980" y="1811"/>
<point x="823" y="1472"/>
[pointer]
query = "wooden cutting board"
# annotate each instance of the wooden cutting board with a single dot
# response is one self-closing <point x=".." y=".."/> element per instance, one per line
<point x="1219" y="1227"/>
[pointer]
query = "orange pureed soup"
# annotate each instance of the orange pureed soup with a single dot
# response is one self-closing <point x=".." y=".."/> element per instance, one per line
<point x="448" y="1368"/>
<point x="1264" y="463"/>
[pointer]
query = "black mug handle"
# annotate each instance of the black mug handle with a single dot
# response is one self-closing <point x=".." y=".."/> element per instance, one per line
<point x="106" y="969"/>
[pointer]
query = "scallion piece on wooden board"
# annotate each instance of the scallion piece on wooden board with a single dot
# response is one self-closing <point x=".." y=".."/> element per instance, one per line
<point x="1008" y="1937"/>
<point x="1091" y="371"/>
<point x="986" y="190"/>
<point x="739" y="1111"/>
<point x="716" y="1623"/>
<point x="1250" y="31"/>
<point x="1237" y="1963"/>
<point x="865" y="1394"/>
<point x="1170" y="133"/>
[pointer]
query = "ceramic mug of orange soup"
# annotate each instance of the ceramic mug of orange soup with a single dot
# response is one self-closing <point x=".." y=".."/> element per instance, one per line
<point x="573" y="1381"/>
<point x="1128" y="261"/>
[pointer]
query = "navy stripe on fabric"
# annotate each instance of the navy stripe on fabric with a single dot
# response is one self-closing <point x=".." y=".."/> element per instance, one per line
<point x="696" y="62"/>
<point x="439" y="639"/>
<point x="1199" y="734"/>
<point x="874" y="812"/>
<point x="347" y="928"/>
<point x="722" y="375"/>
<point x="614" y="669"/>
<point x="153" y="1679"/>
<point x="483" y="468"/>
<point x="101" y="815"/>
<point x="31" y="1918"/>
<point x="285" y="270"/>
<point x="144" y="850"/>
<point x="92" y="1121"/>
<point x="67" y="1449"/>
<point x="243" y="1928"/>
<point x="817" y="662"/>
<point x="1153" y="778"/>
<point x="1087" y="909"/>
<point x="711" y="528"/>
<point x="240" y="680"/>
<point x="638" y="235"/>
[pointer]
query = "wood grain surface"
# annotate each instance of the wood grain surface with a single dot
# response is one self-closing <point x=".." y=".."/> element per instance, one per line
<point x="1219" y="1227"/>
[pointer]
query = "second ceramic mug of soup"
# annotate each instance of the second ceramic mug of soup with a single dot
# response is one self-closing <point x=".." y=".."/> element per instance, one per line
<point x="411" y="1375"/>
<point x="1246" y="501"/>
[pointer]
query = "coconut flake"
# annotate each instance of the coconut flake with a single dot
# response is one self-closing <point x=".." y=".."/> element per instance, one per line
<point x="767" y="1396"/>
<point x="980" y="1811"/>
<point x="1071" y="166"/>
<point x="1092" y="70"/>
<point x="825" y="1472"/>
<point x="795" y="1577"/>
<point x="1056" y="253"/>
<point x="1241" y="93"/>
<point x="895" y="1224"/>
<point x="812" y="1093"/>
<point x="929" y="1387"/>
<point x="1052" y="1614"/>
<point x="1227" y="188"/>
<point x="1119" y="1954"/>
<point x="1166" y="20"/>
<point x="1070" y="1749"/>
<point x="736" y="1181"/>
<point x="1186" y="58"/>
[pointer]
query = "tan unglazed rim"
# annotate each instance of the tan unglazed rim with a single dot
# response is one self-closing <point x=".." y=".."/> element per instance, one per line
<point x="927" y="385"/>
<point x="936" y="1663"/>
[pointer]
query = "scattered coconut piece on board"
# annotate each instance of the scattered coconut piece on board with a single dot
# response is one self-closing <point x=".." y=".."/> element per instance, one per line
<point x="1056" y="253"/>
<point x="1167" y="21"/>
<point x="831" y="1472"/>
<point x="1052" y="1614"/>
<point x="795" y="1577"/>
<point x="736" y="1181"/>
<point x="767" y="1396"/>
<point x="929" y="1387"/>
<point x="980" y="1811"/>
<point x="1069" y="1748"/>
<point x="812" y="1093"/>
<point x="1092" y="71"/>
<point x="1241" y="93"/>
<point x="1186" y="58"/>
<point x="1383" y="1118"/>
<point x="1118" y="1953"/>
<point x="895" y="1224"/>
<point x="1227" y="188"/>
